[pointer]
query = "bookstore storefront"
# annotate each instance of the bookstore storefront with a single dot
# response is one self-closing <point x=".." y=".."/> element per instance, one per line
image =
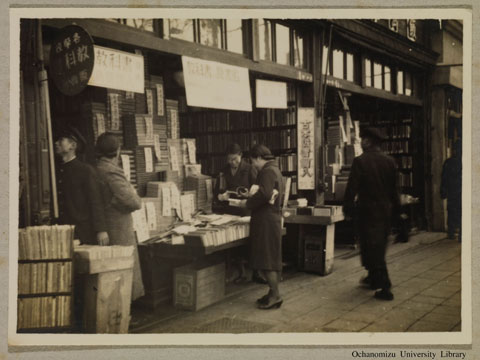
<point x="185" y="100"/>
<point x="386" y="87"/>
<point x="177" y="93"/>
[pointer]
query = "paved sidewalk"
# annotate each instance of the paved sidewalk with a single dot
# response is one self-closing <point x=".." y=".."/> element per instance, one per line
<point x="425" y="274"/>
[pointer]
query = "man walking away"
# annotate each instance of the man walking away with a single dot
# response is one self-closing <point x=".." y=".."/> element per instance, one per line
<point x="451" y="189"/>
<point x="372" y="187"/>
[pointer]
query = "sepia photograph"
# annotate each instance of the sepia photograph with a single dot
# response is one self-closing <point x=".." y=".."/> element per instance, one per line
<point x="249" y="177"/>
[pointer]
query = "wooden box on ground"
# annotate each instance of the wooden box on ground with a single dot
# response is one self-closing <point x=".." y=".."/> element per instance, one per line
<point x="107" y="292"/>
<point x="319" y="250"/>
<point x="197" y="286"/>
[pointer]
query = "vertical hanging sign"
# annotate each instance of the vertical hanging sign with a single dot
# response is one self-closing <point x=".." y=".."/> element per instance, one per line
<point x="306" y="149"/>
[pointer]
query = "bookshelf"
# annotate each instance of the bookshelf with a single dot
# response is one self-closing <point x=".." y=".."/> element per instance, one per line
<point x="45" y="279"/>
<point x="214" y="130"/>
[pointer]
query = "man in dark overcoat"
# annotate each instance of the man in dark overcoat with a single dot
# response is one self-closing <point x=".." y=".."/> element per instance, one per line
<point x="372" y="188"/>
<point x="451" y="189"/>
<point x="79" y="197"/>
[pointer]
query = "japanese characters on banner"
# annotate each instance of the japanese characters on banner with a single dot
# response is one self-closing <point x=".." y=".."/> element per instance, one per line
<point x="156" y="143"/>
<point x="148" y="128"/>
<point x="151" y="216"/>
<point x="72" y="59"/>
<point x="119" y="70"/>
<point x="306" y="148"/>
<point x="99" y="124"/>
<point x="166" y="202"/>
<point x="174" y="158"/>
<point x="215" y="85"/>
<point x="191" y="151"/>
<point x="114" y="112"/>
<point x="149" y="96"/>
<point x="160" y="103"/>
<point x="148" y="160"/>
<point x="126" y="166"/>
<point x="271" y="94"/>
<point x="140" y="224"/>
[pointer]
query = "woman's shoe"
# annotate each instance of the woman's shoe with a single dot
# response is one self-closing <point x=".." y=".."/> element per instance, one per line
<point x="258" y="279"/>
<point x="384" y="294"/>
<point x="273" y="305"/>
<point x="263" y="299"/>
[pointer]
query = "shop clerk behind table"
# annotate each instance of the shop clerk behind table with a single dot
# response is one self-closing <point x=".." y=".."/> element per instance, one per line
<point x="236" y="174"/>
<point x="79" y="197"/>
<point x="120" y="200"/>
<point x="265" y="224"/>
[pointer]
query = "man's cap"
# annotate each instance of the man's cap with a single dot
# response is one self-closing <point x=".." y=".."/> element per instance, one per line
<point x="107" y="145"/>
<point x="373" y="133"/>
<point x="73" y="134"/>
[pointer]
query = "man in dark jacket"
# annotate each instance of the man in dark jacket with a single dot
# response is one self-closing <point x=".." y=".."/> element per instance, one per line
<point x="79" y="197"/>
<point x="451" y="189"/>
<point x="372" y="186"/>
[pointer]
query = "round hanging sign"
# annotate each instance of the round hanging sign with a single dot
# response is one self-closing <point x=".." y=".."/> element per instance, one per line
<point x="71" y="59"/>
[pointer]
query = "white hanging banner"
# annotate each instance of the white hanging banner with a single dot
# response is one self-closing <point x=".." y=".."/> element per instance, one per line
<point x="271" y="94"/>
<point x="119" y="70"/>
<point x="126" y="165"/>
<point x="306" y="148"/>
<point x="215" y="85"/>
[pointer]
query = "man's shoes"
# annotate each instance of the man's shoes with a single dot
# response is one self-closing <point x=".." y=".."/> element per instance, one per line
<point x="366" y="280"/>
<point x="384" y="294"/>
<point x="270" y="304"/>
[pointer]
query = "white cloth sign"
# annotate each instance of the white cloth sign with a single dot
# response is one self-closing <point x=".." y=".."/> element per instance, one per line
<point x="215" y="85"/>
<point x="140" y="224"/>
<point x="166" y="202"/>
<point x="149" y="96"/>
<point x="100" y="123"/>
<point x="174" y="158"/>
<point x="160" y="103"/>
<point x="156" y="142"/>
<point x="126" y="166"/>
<point x="114" y="112"/>
<point x="151" y="215"/>
<point x="119" y="70"/>
<point x="306" y="148"/>
<point x="148" y="159"/>
<point x="271" y="94"/>
<point x="191" y="151"/>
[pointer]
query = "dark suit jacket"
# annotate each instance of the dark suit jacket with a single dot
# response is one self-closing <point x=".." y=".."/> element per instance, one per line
<point x="80" y="200"/>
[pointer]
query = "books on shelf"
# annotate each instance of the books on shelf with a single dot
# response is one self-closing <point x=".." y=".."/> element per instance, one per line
<point x="44" y="312"/>
<point x="44" y="277"/>
<point x="45" y="242"/>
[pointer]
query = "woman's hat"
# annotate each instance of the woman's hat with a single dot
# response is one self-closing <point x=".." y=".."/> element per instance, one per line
<point x="107" y="145"/>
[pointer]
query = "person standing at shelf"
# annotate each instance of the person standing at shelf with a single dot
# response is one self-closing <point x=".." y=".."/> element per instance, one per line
<point x="372" y="185"/>
<point x="451" y="189"/>
<point x="120" y="199"/>
<point x="79" y="196"/>
<point x="266" y="223"/>
<point x="236" y="176"/>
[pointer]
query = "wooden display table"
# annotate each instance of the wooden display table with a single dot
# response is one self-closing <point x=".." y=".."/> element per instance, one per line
<point x="158" y="261"/>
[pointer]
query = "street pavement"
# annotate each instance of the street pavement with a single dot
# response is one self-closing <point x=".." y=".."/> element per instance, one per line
<point x="426" y="278"/>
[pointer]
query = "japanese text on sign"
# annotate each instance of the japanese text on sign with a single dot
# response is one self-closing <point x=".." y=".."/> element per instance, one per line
<point x="306" y="148"/>
<point x="215" y="85"/>
<point x="271" y="94"/>
<point x="72" y="57"/>
<point x="119" y="70"/>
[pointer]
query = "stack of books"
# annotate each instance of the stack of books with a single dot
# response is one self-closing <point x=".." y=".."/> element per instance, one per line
<point x="301" y="202"/>
<point x="44" y="312"/>
<point x="202" y="185"/>
<point x="45" y="242"/>
<point x="44" y="277"/>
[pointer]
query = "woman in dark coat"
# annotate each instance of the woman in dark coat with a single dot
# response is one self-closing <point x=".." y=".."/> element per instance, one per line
<point x="265" y="224"/>
<point x="120" y="199"/>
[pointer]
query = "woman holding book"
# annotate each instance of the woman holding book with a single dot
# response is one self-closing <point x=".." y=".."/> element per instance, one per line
<point x="234" y="181"/>
<point x="265" y="223"/>
<point x="120" y="199"/>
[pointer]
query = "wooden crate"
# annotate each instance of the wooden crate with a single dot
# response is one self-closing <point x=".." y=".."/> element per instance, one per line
<point x="197" y="286"/>
<point x="107" y="293"/>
